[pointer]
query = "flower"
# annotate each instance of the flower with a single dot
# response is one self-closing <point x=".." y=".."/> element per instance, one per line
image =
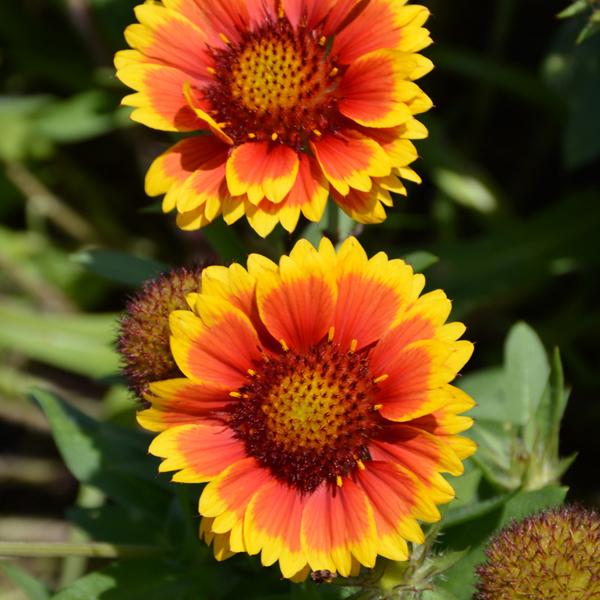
<point x="549" y="556"/>
<point x="295" y="100"/>
<point x="316" y="403"/>
<point x="143" y="341"/>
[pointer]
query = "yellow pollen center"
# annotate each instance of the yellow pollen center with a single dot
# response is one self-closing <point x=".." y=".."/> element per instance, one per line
<point x="309" y="417"/>
<point x="270" y="75"/>
<point x="278" y="83"/>
<point x="305" y="411"/>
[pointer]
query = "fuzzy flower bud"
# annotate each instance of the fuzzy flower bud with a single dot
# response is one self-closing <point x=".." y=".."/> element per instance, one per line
<point x="143" y="341"/>
<point x="550" y="556"/>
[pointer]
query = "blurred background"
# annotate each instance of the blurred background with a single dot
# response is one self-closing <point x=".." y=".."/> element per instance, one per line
<point x="510" y="206"/>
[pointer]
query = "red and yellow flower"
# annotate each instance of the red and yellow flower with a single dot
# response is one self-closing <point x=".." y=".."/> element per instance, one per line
<point x="295" y="100"/>
<point x="317" y="406"/>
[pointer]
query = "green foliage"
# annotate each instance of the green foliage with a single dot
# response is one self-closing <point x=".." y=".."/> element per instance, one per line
<point x="518" y="417"/>
<point x="31" y="587"/>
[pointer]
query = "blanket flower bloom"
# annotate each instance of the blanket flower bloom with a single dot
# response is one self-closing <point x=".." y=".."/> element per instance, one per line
<point x="295" y="100"/>
<point x="317" y="405"/>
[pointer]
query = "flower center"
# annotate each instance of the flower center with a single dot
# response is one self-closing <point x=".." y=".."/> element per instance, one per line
<point x="277" y="83"/>
<point x="309" y="417"/>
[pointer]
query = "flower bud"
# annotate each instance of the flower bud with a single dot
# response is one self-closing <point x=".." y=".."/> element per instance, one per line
<point x="143" y="341"/>
<point x="550" y="556"/>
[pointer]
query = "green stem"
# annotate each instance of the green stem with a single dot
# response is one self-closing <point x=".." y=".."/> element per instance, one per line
<point x="87" y="549"/>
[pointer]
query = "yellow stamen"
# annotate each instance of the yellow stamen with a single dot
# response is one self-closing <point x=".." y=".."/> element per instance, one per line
<point x="338" y="480"/>
<point x="224" y="38"/>
<point x="334" y="72"/>
<point x="361" y="464"/>
<point x="251" y="372"/>
<point x="251" y="135"/>
<point x="353" y="345"/>
<point x="235" y="394"/>
<point x="211" y="70"/>
<point x="317" y="132"/>
<point x="284" y="345"/>
<point x="322" y="40"/>
<point x="331" y="334"/>
<point x="274" y="136"/>
<point x="380" y="378"/>
<point x="378" y="407"/>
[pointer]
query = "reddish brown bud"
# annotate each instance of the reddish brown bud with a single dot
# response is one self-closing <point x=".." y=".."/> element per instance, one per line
<point x="144" y="329"/>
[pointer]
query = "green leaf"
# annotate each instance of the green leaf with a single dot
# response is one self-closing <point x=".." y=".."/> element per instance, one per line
<point x="80" y="117"/>
<point x="475" y="535"/>
<point x="110" y="458"/>
<point x="466" y="189"/>
<point x="469" y="512"/>
<point x="33" y="588"/>
<point x="140" y="580"/>
<point x="120" y="266"/>
<point x="17" y="114"/>
<point x="225" y="242"/>
<point x="546" y="425"/>
<point x="527" y="371"/>
<point x="575" y="8"/>
<point x="82" y="344"/>
<point x="420" y="260"/>
<point x="486" y="387"/>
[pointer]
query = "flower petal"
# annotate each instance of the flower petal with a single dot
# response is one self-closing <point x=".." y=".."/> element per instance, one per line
<point x="310" y="190"/>
<point x="350" y="160"/>
<point x="364" y="207"/>
<point x="397" y="500"/>
<point x="198" y="451"/>
<point x="160" y="103"/>
<point x="180" y="401"/>
<point x="168" y="38"/>
<point x="272" y="525"/>
<point x="373" y="88"/>
<point x="172" y="168"/>
<point x="383" y="24"/>
<point x="338" y="524"/>
<point x="262" y="170"/>
<point x="226" y="497"/>
<point x="371" y="293"/>
<point x="415" y="375"/>
<point x="218" y="346"/>
<point x="297" y="302"/>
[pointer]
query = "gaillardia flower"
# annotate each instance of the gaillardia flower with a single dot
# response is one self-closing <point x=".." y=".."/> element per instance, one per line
<point x="294" y="100"/>
<point x="317" y="405"/>
<point x="549" y="556"/>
